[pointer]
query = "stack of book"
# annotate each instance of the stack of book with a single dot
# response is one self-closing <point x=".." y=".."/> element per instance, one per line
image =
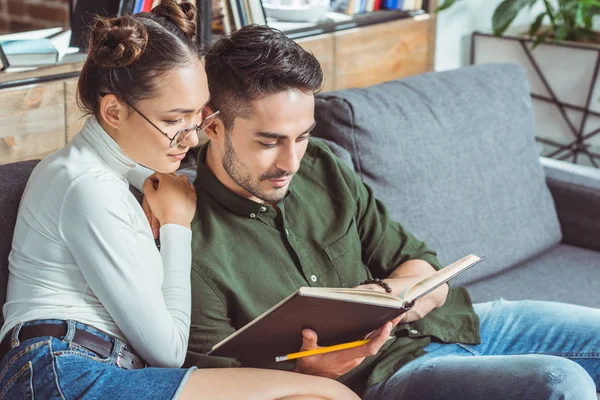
<point x="361" y="6"/>
<point x="135" y="6"/>
<point x="231" y="15"/>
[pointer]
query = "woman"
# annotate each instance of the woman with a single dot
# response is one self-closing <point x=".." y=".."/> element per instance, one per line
<point x="93" y="308"/>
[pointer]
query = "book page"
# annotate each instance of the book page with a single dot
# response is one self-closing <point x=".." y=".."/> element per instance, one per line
<point x="352" y="294"/>
<point x="442" y="276"/>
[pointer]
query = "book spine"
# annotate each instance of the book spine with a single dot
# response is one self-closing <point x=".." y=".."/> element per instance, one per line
<point x="138" y="6"/>
<point x="146" y="5"/>
<point x="257" y="12"/>
<point x="226" y="17"/>
<point x="242" y="12"/>
<point x="390" y="4"/>
<point x="125" y="7"/>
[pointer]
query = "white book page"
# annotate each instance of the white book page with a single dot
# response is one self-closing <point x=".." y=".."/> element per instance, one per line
<point x="440" y="277"/>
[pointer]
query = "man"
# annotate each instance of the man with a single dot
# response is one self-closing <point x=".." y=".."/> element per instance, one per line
<point x="277" y="211"/>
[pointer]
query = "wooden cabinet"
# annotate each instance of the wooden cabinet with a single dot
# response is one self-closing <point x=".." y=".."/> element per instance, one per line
<point x="32" y="121"/>
<point x="322" y="47"/>
<point x="36" y="120"/>
<point x="74" y="117"/>
<point x="383" y="52"/>
<point x="373" y="54"/>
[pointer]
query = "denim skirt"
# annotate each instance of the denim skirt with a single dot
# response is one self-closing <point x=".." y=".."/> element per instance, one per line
<point x="53" y="368"/>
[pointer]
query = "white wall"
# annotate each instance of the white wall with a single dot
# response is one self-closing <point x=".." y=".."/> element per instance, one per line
<point x="456" y="24"/>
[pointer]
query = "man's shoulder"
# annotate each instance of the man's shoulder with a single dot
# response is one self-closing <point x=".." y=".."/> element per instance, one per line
<point x="321" y="161"/>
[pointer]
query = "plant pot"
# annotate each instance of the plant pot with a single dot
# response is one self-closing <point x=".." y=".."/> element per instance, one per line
<point x="564" y="82"/>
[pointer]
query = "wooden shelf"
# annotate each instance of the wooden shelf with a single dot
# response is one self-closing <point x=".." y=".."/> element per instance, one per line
<point x="39" y="114"/>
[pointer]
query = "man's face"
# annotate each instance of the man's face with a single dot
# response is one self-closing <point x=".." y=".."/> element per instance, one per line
<point x="261" y="154"/>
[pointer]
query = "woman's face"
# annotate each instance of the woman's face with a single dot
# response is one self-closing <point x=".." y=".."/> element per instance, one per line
<point x="178" y="104"/>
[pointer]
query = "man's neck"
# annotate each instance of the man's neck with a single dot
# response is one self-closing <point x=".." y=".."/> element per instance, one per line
<point x="214" y="164"/>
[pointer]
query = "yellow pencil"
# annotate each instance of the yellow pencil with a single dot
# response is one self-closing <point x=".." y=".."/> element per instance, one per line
<point x="322" y="350"/>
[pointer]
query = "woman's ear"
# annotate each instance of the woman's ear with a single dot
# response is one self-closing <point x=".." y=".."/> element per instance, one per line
<point x="113" y="111"/>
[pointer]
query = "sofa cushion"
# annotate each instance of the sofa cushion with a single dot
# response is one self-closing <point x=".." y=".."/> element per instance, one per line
<point x="565" y="273"/>
<point x="452" y="155"/>
<point x="13" y="178"/>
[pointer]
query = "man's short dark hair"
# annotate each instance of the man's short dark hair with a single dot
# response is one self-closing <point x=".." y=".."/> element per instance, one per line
<point x="254" y="62"/>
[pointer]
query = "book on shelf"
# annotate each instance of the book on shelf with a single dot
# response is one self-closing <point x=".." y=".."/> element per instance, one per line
<point x="230" y="15"/>
<point x="137" y="7"/>
<point x="29" y="52"/>
<point x="257" y="12"/>
<point x="126" y="7"/>
<point x="337" y="315"/>
<point x="3" y="60"/>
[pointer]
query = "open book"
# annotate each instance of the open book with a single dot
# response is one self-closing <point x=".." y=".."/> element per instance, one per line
<point x="337" y="315"/>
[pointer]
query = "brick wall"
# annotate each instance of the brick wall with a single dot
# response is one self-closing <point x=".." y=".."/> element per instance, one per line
<point x="27" y="15"/>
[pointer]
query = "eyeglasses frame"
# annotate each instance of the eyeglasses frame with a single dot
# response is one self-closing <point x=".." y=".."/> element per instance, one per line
<point x="206" y="122"/>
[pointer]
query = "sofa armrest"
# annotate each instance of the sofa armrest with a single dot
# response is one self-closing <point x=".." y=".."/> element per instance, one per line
<point x="576" y="192"/>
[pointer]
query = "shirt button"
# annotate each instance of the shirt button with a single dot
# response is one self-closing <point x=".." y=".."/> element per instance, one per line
<point x="414" y="331"/>
<point x="313" y="278"/>
<point x="263" y="209"/>
<point x="252" y="215"/>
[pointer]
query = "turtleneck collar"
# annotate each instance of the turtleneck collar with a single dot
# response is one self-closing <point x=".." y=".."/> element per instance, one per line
<point x="107" y="148"/>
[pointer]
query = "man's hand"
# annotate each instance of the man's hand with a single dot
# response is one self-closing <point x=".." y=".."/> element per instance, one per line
<point x="405" y="277"/>
<point x="337" y="363"/>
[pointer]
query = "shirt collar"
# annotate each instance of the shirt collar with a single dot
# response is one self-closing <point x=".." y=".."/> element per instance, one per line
<point x="206" y="180"/>
<point x="107" y="148"/>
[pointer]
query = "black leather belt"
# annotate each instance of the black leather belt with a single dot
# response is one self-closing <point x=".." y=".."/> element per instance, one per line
<point x="126" y="359"/>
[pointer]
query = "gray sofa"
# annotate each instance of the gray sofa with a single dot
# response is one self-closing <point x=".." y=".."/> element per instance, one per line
<point x="452" y="155"/>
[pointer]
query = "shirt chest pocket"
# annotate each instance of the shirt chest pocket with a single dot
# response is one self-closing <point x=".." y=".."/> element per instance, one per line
<point x="344" y="255"/>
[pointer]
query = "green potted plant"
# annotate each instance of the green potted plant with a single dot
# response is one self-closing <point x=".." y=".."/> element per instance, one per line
<point x="569" y="19"/>
<point x="561" y="54"/>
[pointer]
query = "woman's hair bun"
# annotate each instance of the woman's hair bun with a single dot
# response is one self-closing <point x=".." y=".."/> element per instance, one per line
<point x="117" y="42"/>
<point x="182" y="15"/>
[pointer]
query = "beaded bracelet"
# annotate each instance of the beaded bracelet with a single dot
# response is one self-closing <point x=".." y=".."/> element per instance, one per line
<point x="379" y="282"/>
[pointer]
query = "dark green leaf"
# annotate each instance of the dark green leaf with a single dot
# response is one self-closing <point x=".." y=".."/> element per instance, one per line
<point x="445" y="5"/>
<point x="561" y="32"/>
<point x="589" y="2"/>
<point x="505" y="14"/>
<point x="579" y="16"/>
<point x="550" y="12"/>
<point x="535" y="26"/>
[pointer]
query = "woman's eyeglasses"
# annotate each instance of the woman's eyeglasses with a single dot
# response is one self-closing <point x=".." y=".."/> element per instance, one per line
<point x="181" y="135"/>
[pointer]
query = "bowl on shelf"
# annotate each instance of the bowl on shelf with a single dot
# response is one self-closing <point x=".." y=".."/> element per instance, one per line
<point x="295" y="11"/>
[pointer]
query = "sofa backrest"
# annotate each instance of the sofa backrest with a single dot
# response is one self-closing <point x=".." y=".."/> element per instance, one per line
<point x="13" y="178"/>
<point x="452" y="155"/>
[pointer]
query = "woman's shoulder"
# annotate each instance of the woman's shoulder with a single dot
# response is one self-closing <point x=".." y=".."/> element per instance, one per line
<point x="72" y="171"/>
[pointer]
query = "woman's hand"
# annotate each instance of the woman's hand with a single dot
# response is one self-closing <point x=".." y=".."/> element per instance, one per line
<point x="171" y="199"/>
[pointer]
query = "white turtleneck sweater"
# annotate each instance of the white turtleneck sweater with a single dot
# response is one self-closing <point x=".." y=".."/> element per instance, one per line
<point x="83" y="250"/>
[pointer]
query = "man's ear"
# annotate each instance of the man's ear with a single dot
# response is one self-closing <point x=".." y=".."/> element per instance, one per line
<point x="216" y="131"/>
<point x="113" y="111"/>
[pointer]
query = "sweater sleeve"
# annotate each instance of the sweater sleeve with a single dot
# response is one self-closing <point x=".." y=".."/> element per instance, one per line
<point x="120" y="264"/>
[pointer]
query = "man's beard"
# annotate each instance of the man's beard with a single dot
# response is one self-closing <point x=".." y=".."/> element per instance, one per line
<point x="235" y="170"/>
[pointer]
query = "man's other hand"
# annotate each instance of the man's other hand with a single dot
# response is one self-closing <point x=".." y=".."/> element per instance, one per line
<point x="337" y="363"/>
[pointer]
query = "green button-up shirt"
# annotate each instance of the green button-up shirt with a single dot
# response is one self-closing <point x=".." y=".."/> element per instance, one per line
<point x="328" y="231"/>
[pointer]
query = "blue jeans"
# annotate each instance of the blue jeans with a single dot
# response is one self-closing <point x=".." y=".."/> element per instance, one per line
<point x="529" y="350"/>
<point x="51" y="368"/>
